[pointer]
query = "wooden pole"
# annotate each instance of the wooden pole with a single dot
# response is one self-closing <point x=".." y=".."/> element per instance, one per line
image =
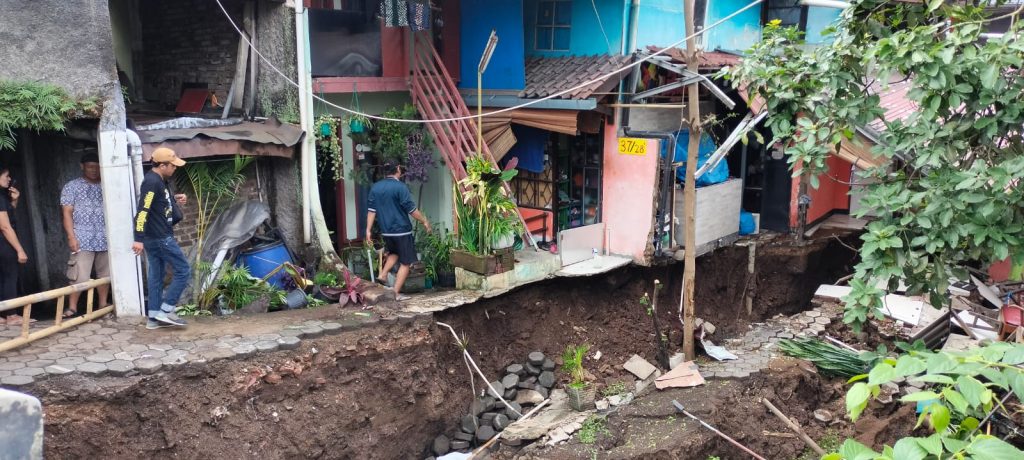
<point x="690" y="190"/>
<point x="793" y="426"/>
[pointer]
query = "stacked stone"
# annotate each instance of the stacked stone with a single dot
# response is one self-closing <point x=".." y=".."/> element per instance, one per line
<point x="523" y="386"/>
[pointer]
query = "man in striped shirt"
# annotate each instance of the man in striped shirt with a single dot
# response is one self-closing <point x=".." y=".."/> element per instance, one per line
<point x="390" y="205"/>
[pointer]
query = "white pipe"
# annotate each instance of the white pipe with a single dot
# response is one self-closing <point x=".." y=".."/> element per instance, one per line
<point x="135" y="152"/>
<point x="304" y="121"/>
<point x="826" y="3"/>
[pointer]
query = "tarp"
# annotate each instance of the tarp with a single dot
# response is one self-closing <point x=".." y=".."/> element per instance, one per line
<point x="529" y="148"/>
<point x="716" y="175"/>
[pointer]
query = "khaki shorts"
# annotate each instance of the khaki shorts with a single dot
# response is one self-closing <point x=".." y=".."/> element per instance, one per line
<point x="82" y="264"/>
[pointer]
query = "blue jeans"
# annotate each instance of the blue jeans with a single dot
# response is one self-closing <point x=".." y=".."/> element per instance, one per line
<point x="160" y="253"/>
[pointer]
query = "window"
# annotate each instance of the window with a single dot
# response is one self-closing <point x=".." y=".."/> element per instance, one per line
<point x="789" y="12"/>
<point x="554" y="21"/>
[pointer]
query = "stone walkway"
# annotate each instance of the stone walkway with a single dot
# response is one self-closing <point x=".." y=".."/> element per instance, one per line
<point x="112" y="346"/>
<point x="758" y="346"/>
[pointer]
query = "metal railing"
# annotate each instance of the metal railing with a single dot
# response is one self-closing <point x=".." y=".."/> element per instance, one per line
<point x="60" y="323"/>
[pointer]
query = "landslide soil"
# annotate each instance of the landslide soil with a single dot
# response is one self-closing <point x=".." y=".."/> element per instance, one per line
<point x="384" y="391"/>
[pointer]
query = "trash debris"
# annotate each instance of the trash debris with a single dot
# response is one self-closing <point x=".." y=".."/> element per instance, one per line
<point x="823" y="416"/>
<point x="685" y="375"/>
<point x="987" y="292"/>
<point x="676" y="360"/>
<point x="715" y="351"/>
<point x="639" y="367"/>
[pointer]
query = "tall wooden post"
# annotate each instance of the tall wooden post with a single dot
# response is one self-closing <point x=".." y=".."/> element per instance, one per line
<point x="690" y="190"/>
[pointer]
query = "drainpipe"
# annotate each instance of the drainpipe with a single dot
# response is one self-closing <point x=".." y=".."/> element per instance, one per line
<point x="135" y="154"/>
<point x="670" y="141"/>
<point x="304" y="118"/>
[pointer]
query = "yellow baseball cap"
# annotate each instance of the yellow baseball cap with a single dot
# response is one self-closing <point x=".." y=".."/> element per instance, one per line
<point x="166" y="155"/>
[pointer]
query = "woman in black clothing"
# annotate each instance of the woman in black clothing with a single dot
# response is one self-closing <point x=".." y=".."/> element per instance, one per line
<point x="12" y="255"/>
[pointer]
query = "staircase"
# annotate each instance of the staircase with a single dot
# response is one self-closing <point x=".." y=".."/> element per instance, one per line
<point x="436" y="97"/>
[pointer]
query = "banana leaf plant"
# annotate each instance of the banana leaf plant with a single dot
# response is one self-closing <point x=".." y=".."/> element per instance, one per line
<point x="483" y="208"/>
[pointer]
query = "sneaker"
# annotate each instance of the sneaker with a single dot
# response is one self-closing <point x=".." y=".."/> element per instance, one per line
<point x="154" y="324"/>
<point x="170" y="319"/>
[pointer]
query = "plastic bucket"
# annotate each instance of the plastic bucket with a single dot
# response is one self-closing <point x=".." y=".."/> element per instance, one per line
<point x="265" y="258"/>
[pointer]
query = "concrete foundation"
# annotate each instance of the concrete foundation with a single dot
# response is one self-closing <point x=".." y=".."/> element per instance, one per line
<point x="21" y="426"/>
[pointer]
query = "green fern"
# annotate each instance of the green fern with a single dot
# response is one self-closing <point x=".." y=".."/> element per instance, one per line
<point x="35" y="106"/>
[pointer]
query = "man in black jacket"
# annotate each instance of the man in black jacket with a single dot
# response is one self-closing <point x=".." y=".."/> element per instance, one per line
<point x="154" y="234"/>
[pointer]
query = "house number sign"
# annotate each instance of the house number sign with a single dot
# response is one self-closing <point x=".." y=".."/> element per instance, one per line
<point x="632" y="146"/>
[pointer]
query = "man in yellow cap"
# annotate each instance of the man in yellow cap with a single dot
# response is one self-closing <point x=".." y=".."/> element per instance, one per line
<point x="154" y="234"/>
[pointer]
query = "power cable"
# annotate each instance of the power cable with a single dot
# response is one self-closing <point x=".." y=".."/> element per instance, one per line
<point x="495" y="112"/>
<point x="600" y="24"/>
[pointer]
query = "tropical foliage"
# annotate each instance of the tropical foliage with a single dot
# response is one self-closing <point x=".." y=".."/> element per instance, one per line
<point x="483" y="209"/>
<point x="946" y="195"/>
<point x="964" y="389"/>
<point x="36" y="106"/>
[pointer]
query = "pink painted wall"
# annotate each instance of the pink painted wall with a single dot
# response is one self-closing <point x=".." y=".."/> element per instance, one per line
<point x="628" y="191"/>
<point x="831" y="195"/>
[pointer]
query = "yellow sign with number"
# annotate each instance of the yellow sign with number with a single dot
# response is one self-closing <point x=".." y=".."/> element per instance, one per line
<point x="632" y="146"/>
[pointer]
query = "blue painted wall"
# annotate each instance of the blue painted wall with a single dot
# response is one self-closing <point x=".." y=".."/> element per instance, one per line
<point x="660" y="23"/>
<point x="737" y="34"/>
<point x="585" y="37"/>
<point x="819" y="18"/>
<point x="507" y="67"/>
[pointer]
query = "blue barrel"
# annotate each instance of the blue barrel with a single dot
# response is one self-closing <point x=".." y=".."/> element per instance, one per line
<point x="265" y="258"/>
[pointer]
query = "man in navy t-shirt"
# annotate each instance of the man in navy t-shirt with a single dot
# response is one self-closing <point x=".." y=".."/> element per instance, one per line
<point x="390" y="205"/>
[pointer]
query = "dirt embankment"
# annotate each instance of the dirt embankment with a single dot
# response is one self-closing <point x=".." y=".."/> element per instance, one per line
<point x="385" y="391"/>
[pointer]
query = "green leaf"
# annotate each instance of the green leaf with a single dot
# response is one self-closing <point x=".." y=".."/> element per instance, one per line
<point x="915" y="397"/>
<point x="940" y="417"/>
<point x="956" y="399"/>
<point x="971" y="389"/>
<point x="857" y="399"/>
<point x="857" y="378"/>
<point x="953" y="444"/>
<point x="833" y="456"/>
<point x="934" y="5"/>
<point x="882" y="373"/>
<point x="990" y="448"/>
<point x="853" y="450"/>
<point x="932" y="444"/>
<point x="989" y="76"/>
<point x="908" y="365"/>
<point x="1017" y="384"/>
<point x="930" y="378"/>
<point x="908" y="449"/>
<point x="1014" y="355"/>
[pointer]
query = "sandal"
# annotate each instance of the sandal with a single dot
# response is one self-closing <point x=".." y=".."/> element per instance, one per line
<point x="70" y="312"/>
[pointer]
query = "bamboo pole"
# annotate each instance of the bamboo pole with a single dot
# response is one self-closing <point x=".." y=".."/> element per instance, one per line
<point x="51" y="294"/>
<point x="60" y="311"/>
<point x="26" y="319"/>
<point x="690" y="190"/>
<point x="793" y="426"/>
<point x="15" y="343"/>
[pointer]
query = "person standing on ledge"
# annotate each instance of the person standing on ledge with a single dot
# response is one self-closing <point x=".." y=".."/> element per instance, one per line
<point x="154" y="234"/>
<point x="390" y="205"/>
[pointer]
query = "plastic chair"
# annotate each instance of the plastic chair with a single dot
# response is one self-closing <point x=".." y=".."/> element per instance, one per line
<point x="1011" y="318"/>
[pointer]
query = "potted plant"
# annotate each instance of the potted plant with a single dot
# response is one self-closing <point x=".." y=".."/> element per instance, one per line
<point x="358" y="124"/>
<point x="485" y="214"/>
<point x="328" y="285"/>
<point x="581" y="394"/>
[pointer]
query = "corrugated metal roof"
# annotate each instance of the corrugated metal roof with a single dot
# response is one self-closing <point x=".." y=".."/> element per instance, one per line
<point x="550" y="75"/>
<point x="709" y="60"/>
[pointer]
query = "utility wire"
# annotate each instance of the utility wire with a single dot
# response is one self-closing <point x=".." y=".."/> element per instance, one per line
<point x="600" y="24"/>
<point x="495" y="112"/>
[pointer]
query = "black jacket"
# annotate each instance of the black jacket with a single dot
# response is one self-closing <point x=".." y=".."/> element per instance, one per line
<point x="158" y="213"/>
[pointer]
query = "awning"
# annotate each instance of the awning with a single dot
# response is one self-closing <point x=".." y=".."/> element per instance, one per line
<point x="197" y="139"/>
<point x="858" y="152"/>
<point x="498" y="129"/>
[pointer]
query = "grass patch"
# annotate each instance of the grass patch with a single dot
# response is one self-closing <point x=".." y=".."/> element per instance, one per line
<point x="592" y="428"/>
<point x="830" y="442"/>
<point x="614" y="389"/>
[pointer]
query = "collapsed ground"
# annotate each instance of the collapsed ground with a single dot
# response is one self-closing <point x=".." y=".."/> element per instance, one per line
<point x="385" y="391"/>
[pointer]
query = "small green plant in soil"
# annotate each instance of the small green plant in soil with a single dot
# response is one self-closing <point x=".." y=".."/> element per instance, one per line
<point x="615" y="389"/>
<point x="191" y="310"/>
<point x="573" y="365"/>
<point x="326" y="279"/>
<point x="645" y="301"/>
<point x="830" y="442"/>
<point x="593" y="427"/>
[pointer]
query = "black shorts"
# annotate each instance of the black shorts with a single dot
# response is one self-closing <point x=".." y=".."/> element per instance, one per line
<point x="403" y="246"/>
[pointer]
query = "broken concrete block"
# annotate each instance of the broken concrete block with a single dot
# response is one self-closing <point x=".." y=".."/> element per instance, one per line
<point x="602" y="404"/>
<point x="516" y="369"/>
<point x="375" y="294"/>
<point x="639" y="367"/>
<point x="548" y="365"/>
<point x="544" y="391"/>
<point x="478" y="406"/>
<point x="463" y="436"/>
<point x="500" y="422"/>
<point x="510" y="394"/>
<point x="546" y="379"/>
<point x="676" y="360"/>
<point x="460" y="445"/>
<point x="496" y="389"/>
<point x="510" y="380"/>
<point x="485" y="433"/>
<point x="470" y="423"/>
<point x="536" y="358"/>
<point x="531" y="369"/>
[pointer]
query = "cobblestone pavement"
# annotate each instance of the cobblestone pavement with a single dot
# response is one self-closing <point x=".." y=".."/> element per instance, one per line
<point x="757" y="347"/>
<point x="112" y="346"/>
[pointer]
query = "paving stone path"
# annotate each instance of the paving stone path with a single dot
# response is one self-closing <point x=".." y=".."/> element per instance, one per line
<point x="118" y="347"/>
<point x="758" y="346"/>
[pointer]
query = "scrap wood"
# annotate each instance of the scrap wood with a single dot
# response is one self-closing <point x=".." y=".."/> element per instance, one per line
<point x="987" y="292"/>
<point x="793" y="426"/>
<point x="684" y="375"/>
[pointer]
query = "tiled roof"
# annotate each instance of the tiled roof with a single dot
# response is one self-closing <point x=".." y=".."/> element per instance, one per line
<point x="550" y="75"/>
<point x="709" y="60"/>
<point x="895" y="102"/>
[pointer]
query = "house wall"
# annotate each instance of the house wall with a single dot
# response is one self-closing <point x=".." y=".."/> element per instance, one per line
<point x="507" y="67"/>
<point x="64" y="42"/>
<point x="188" y="41"/>
<point x="818" y="19"/>
<point x="832" y="193"/>
<point x="660" y="23"/>
<point x="585" y="36"/>
<point x="629" y="194"/>
<point x="275" y="36"/>
<point x="737" y="34"/>
<point x="120" y="19"/>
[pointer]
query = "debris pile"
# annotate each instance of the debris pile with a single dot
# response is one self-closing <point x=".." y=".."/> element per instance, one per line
<point x="524" y="385"/>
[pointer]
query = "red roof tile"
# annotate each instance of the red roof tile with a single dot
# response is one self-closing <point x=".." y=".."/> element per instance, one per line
<point x="550" y="75"/>
<point x="895" y="102"/>
<point x="709" y="60"/>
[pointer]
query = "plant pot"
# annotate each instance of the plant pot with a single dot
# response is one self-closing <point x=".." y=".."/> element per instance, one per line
<point x="483" y="265"/>
<point x="295" y="299"/>
<point x="446" y="279"/>
<point x="581" y="399"/>
<point x="260" y="305"/>
<point x="330" y="294"/>
<point x="356" y="126"/>
<point x="504" y="241"/>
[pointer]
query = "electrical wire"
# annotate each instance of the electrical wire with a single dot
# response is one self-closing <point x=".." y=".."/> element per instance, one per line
<point x="495" y="112"/>
<point x="600" y="24"/>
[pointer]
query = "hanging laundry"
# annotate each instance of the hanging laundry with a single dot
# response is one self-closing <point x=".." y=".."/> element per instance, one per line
<point x="395" y="13"/>
<point x="419" y="15"/>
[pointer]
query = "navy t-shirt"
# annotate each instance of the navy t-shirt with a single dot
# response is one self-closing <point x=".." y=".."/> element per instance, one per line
<point x="393" y="203"/>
